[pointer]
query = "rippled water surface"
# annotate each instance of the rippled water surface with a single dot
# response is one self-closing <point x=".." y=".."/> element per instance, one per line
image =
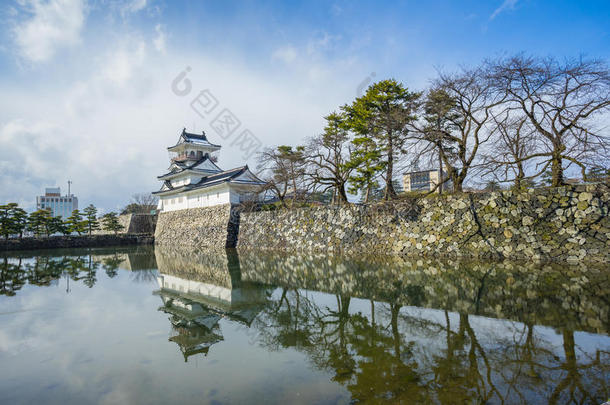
<point x="142" y="326"/>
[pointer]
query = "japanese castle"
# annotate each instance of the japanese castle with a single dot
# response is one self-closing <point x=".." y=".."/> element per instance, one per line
<point x="193" y="179"/>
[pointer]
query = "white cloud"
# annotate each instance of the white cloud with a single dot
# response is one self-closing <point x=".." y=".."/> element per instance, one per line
<point x="122" y="62"/>
<point x="159" y="41"/>
<point x="322" y="42"/>
<point x="53" y="25"/>
<point x="286" y="54"/>
<point x="104" y="120"/>
<point x="133" y="6"/>
<point x="506" y="5"/>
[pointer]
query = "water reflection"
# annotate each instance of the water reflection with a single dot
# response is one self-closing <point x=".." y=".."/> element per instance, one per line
<point x="445" y="332"/>
<point x="44" y="268"/>
<point x="377" y="331"/>
<point x="197" y="291"/>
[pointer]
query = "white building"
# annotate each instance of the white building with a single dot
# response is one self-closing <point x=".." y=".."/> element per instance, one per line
<point x="193" y="180"/>
<point x="424" y="181"/>
<point x="60" y="206"/>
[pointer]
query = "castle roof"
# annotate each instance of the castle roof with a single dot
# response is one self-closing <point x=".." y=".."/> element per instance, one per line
<point x="239" y="175"/>
<point x="202" y="166"/>
<point x="193" y="140"/>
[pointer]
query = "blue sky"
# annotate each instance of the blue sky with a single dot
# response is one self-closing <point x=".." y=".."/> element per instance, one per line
<point x="86" y="84"/>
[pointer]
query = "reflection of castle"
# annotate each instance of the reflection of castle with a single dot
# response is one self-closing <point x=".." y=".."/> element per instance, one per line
<point x="198" y="296"/>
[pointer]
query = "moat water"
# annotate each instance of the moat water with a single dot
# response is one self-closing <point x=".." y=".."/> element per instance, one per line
<point x="139" y="326"/>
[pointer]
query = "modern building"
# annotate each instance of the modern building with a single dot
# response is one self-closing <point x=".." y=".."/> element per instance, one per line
<point x="424" y="181"/>
<point x="194" y="180"/>
<point x="60" y="206"/>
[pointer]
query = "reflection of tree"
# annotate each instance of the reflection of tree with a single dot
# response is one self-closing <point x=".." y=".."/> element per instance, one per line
<point x="287" y="321"/>
<point x="386" y="372"/>
<point x="571" y="388"/>
<point x="111" y="265"/>
<point x="45" y="270"/>
<point x="12" y="277"/>
<point x="366" y="357"/>
<point x="91" y="272"/>
<point x="380" y="358"/>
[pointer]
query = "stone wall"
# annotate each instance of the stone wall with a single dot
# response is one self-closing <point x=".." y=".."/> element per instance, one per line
<point x="209" y="227"/>
<point x="560" y="295"/>
<point x="562" y="224"/>
<point x="134" y="223"/>
<point x="73" y="241"/>
<point x="139" y="223"/>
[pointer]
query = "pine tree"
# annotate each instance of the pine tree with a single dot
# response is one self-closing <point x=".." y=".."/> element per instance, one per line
<point x="38" y="222"/>
<point x="57" y="225"/>
<point x="367" y="161"/>
<point x="91" y="218"/>
<point x="20" y="221"/>
<point x="110" y="222"/>
<point x="11" y="219"/>
<point x="381" y="117"/>
<point x="6" y="220"/>
<point x="76" y="223"/>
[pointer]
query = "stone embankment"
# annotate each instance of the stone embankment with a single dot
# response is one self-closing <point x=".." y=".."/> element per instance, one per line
<point x="134" y="223"/>
<point x="60" y="242"/>
<point x="210" y="227"/>
<point x="562" y="224"/>
<point x="569" y="223"/>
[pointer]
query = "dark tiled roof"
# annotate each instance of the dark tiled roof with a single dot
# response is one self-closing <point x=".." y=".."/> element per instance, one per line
<point x="213" y="179"/>
<point x="184" y="166"/>
<point x="187" y="137"/>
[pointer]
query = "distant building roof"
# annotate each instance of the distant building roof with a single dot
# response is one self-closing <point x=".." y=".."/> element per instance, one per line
<point x="421" y="171"/>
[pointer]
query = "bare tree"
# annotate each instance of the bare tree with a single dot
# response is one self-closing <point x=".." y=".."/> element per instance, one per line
<point x="145" y="199"/>
<point x="283" y="168"/>
<point x="141" y="203"/>
<point x="458" y="117"/>
<point x="327" y="155"/>
<point x="563" y="102"/>
<point x="507" y="159"/>
<point x="439" y="117"/>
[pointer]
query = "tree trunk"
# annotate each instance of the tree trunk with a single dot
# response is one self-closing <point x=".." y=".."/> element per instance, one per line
<point x="341" y="194"/>
<point x="294" y="186"/>
<point x="458" y="181"/>
<point x="395" y="310"/>
<point x="520" y="176"/>
<point x="440" y="169"/>
<point x="557" y="171"/>
<point x="389" y="188"/>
